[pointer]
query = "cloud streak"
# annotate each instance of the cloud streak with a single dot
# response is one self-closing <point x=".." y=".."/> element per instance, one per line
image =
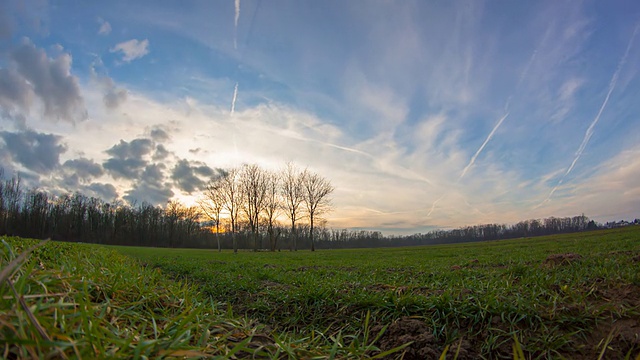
<point x="235" y="24"/>
<point x="233" y="100"/>
<point x="475" y="156"/>
<point x="590" y="130"/>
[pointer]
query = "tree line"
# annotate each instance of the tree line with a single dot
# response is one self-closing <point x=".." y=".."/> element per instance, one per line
<point x="239" y="209"/>
<point x="244" y="208"/>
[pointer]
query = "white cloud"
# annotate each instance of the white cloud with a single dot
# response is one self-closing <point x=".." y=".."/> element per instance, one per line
<point x="132" y="49"/>
<point x="105" y="28"/>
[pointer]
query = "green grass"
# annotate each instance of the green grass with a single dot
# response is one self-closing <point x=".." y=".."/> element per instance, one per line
<point x="484" y="295"/>
<point x="67" y="300"/>
<point x="483" y="300"/>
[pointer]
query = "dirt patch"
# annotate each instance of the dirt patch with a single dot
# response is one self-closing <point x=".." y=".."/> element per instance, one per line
<point x="386" y="287"/>
<point x="409" y="330"/>
<point x="422" y="343"/>
<point x="628" y="295"/>
<point x="274" y="285"/>
<point x="561" y="259"/>
<point x="622" y="337"/>
<point x="308" y="268"/>
<point x="636" y="258"/>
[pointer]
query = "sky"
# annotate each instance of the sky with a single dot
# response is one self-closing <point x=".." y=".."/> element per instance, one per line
<point x="422" y="114"/>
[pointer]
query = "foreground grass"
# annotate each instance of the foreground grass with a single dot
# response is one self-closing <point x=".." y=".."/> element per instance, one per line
<point x="64" y="300"/>
<point x="486" y="300"/>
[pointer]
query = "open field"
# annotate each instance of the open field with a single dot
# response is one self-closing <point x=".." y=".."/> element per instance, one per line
<point x="483" y="300"/>
<point x="479" y="299"/>
<point x="77" y="301"/>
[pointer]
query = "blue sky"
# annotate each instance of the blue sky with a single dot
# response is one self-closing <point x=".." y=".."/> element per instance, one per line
<point x="422" y="114"/>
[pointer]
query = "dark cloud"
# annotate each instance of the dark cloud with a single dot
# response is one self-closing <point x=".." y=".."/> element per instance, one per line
<point x="106" y="192"/>
<point x="36" y="151"/>
<point x="186" y="175"/>
<point x="153" y="174"/>
<point x="161" y="153"/>
<point x="50" y="80"/>
<point x="114" y="97"/>
<point x="151" y="187"/>
<point x="136" y="149"/>
<point x="15" y="92"/>
<point x="159" y="135"/>
<point x="19" y="120"/>
<point x="128" y="158"/>
<point x="83" y="168"/>
<point x="124" y="168"/>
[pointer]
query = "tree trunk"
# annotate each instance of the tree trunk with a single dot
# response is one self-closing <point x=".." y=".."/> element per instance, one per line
<point x="313" y="247"/>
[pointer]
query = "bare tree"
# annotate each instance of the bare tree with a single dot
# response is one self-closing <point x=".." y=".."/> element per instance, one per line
<point x="253" y="182"/>
<point x="272" y="207"/>
<point x="316" y="191"/>
<point x="231" y="195"/>
<point x="213" y="204"/>
<point x="292" y="194"/>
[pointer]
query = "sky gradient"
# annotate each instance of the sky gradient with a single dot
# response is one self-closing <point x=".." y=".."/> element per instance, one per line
<point x="422" y="114"/>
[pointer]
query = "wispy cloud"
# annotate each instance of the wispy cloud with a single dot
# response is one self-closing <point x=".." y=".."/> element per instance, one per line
<point x="233" y="100"/>
<point x="132" y="49"/>
<point x="105" y="27"/>
<point x="235" y="24"/>
<point x="590" y="130"/>
<point x="475" y="156"/>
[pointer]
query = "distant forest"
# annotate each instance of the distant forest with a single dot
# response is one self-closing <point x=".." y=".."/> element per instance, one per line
<point x="74" y="217"/>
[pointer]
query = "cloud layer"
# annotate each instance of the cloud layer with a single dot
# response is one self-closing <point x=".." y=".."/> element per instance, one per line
<point x="422" y="114"/>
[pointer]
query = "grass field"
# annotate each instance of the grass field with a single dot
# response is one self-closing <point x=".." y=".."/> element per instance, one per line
<point x="504" y="299"/>
<point x="478" y="299"/>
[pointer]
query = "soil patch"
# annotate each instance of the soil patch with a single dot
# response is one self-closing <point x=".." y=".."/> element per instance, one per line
<point x="561" y="259"/>
<point x="422" y="343"/>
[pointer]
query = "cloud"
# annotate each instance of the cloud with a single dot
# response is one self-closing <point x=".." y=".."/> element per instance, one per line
<point x="137" y="148"/>
<point x="83" y="168"/>
<point x="15" y="92"/>
<point x="235" y="23"/>
<point x="132" y="49"/>
<point x="151" y="187"/>
<point x="191" y="176"/>
<point x="161" y="153"/>
<point x="590" y="130"/>
<point x="33" y="74"/>
<point x="113" y="96"/>
<point x="475" y="156"/>
<point x="107" y="192"/>
<point x="35" y="151"/>
<point x="159" y="135"/>
<point x="127" y="161"/>
<point x="233" y="100"/>
<point x="105" y="27"/>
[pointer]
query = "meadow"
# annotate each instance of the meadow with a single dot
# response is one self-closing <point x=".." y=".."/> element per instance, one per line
<point x="477" y="299"/>
<point x="566" y="296"/>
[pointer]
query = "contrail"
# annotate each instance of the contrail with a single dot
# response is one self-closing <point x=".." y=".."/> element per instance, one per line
<point x="233" y="100"/>
<point x="473" y="159"/>
<point x="587" y="135"/>
<point x="433" y="206"/>
<point x="507" y="104"/>
<point x="235" y="23"/>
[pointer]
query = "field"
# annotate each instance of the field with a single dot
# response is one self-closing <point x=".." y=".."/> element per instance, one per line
<point x="569" y="296"/>
<point x="478" y="299"/>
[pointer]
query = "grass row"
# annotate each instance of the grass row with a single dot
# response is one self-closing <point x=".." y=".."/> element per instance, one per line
<point x="61" y="300"/>
<point x="483" y="294"/>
